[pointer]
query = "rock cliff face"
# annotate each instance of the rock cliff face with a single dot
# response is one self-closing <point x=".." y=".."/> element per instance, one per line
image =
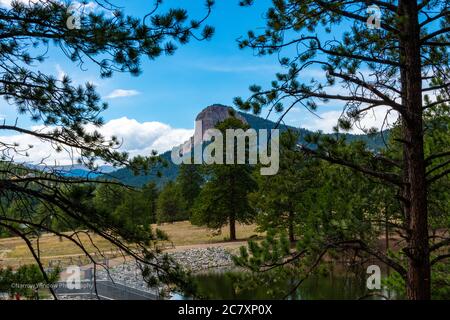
<point x="210" y="117"/>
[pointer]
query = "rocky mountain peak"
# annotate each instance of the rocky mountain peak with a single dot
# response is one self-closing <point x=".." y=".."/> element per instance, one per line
<point x="212" y="115"/>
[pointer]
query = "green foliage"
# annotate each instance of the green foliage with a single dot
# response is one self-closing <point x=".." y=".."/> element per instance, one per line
<point x="337" y="213"/>
<point x="441" y="281"/>
<point x="224" y="197"/>
<point x="190" y="181"/>
<point x="26" y="281"/>
<point x="159" y="173"/>
<point x="33" y="202"/>
<point x="402" y="187"/>
<point x="341" y="210"/>
<point x="171" y="205"/>
<point x="273" y="260"/>
<point x="132" y="209"/>
<point x="109" y="197"/>
<point x="281" y="199"/>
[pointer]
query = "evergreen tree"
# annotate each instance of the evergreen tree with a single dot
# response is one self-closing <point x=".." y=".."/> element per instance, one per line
<point x="224" y="197"/>
<point x="28" y="276"/>
<point x="108" y="39"/>
<point x="133" y="212"/>
<point x="109" y="197"/>
<point x="189" y="181"/>
<point x="131" y="208"/>
<point x="280" y="199"/>
<point x="150" y="196"/>
<point x="388" y="66"/>
<point x="171" y="206"/>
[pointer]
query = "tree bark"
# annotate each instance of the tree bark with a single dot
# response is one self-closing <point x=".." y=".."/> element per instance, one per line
<point x="415" y="190"/>
<point x="291" y="226"/>
<point x="232" y="228"/>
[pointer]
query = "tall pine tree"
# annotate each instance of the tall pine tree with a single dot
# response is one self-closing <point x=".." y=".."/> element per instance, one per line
<point x="189" y="181"/>
<point x="224" y="197"/>
<point x="281" y="200"/>
<point x="384" y="63"/>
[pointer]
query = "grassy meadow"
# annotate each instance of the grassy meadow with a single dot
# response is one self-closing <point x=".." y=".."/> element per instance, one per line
<point x="14" y="252"/>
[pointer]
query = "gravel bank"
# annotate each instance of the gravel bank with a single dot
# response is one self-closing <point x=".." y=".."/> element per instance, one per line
<point x="195" y="260"/>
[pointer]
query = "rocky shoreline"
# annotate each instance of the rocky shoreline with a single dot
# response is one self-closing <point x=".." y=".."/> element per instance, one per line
<point x="194" y="260"/>
<point x="197" y="260"/>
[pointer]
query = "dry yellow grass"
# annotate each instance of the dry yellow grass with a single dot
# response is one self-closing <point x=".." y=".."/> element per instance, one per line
<point x="183" y="233"/>
<point x="14" y="252"/>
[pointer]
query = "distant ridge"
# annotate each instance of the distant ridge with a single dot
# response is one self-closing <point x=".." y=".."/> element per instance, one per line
<point x="73" y="170"/>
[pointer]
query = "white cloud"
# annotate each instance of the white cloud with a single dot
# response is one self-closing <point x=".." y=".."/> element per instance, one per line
<point x="142" y="138"/>
<point x="120" y="93"/>
<point x="138" y="138"/>
<point x="374" y="118"/>
<point x="37" y="150"/>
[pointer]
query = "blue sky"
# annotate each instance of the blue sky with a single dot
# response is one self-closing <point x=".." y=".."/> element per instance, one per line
<point x="174" y="89"/>
<point x="164" y="100"/>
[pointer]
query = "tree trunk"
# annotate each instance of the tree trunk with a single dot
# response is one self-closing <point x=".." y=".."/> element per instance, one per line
<point x="232" y="228"/>
<point x="291" y="226"/>
<point x="415" y="190"/>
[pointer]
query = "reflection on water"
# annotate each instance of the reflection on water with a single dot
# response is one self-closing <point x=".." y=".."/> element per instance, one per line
<point x="316" y="287"/>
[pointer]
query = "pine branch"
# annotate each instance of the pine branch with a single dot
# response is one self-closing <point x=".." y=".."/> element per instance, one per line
<point x="388" y="177"/>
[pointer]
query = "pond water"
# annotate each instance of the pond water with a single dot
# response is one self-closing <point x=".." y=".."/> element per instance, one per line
<point x="348" y="286"/>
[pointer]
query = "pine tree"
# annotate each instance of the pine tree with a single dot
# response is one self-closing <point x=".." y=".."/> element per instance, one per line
<point x="189" y="180"/>
<point x="150" y="195"/>
<point x="281" y="199"/>
<point x="386" y="61"/>
<point x="109" y="40"/>
<point x="171" y="206"/>
<point x="224" y="197"/>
